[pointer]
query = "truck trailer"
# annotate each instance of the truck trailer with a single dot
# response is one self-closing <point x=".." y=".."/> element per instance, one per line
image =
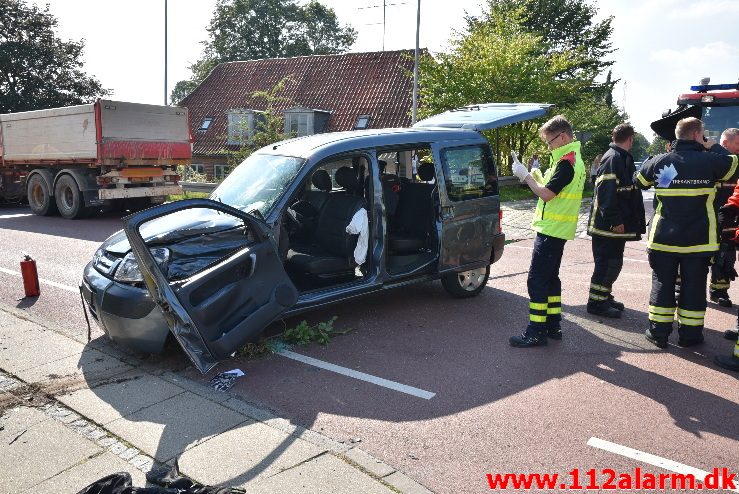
<point x="81" y="159"/>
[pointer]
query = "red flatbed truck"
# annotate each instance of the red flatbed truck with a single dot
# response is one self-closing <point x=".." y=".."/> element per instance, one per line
<point x="82" y="159"/>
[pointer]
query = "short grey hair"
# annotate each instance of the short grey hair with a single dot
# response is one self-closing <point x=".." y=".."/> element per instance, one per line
<point x="730" y="134"/>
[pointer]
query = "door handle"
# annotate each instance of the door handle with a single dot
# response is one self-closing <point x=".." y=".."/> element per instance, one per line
<point x="253" y="259"/>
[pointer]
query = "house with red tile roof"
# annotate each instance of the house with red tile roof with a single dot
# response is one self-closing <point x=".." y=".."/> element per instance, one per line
<point x="327" y="93"/>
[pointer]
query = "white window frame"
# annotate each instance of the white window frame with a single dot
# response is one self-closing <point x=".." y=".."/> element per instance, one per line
<point x="197" y="168"/>
<point x="294" y="117"/>
<point x="240" y="126"/>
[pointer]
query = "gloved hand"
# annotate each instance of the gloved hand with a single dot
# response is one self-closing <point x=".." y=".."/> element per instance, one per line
<point x="519" y="169"/>
<point x="726" y="258"/>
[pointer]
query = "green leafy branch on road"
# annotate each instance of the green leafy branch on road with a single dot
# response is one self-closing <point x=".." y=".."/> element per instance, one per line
<point x="301" y="334"/>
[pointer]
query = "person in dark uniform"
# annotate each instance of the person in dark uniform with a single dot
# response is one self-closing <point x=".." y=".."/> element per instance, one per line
<point x="721" y="272"/>
<point x="683" y="232"/>
<point x="616" y="216"/>
<point x="555" y="221"/>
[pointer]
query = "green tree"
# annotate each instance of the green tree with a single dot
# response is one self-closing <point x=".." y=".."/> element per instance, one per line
<point x="640" y="149"/>
<point x="564" y="25"/>
<point x="256" y="29"/>
<point x="658" y="146"/>
<point x="501" y="60"/>
<point x="37" y="69"/>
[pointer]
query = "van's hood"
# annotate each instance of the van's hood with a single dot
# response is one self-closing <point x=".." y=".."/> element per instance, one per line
<point x="172" y="228"/>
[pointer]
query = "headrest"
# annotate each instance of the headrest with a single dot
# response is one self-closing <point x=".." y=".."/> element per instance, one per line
<point x="425" y="171"/>
<point x="321" y="180"/>
<point x="346" y="178"/>
<point x="383" y="165"/>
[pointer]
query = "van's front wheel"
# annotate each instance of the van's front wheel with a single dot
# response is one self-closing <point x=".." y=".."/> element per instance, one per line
<point x="467" y="283"/>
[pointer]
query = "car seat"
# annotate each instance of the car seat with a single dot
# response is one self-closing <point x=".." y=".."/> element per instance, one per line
<point x="331" y="254"/>
<point x="415" y="215"/>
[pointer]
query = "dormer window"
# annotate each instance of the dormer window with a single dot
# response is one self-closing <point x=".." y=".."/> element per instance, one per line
<point x="240" y="126"/>
<point x="299" y="123"/>
<point x="362" y="122"/>
<point x="206" y="124"/>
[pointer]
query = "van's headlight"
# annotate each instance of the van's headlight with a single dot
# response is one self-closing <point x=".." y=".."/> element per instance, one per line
<point x="128" y="270"/>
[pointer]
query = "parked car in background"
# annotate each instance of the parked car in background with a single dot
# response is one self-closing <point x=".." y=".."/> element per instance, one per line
<point x="303" y="223"/>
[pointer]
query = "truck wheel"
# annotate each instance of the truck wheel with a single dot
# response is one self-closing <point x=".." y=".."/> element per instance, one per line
<point x="39" y="197"/>
<point x="69" y="198"/>
<point x="466" y="284"/>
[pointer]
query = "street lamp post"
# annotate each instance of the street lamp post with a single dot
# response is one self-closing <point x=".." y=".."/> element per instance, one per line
<point x="415" y="66"/>
<point x="165" y="52"/>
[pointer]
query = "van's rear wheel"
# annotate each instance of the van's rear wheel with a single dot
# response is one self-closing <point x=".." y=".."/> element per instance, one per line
<point x="69" y="199"/>
<point x="466" y="284"/>
<point x="38" y="193"/>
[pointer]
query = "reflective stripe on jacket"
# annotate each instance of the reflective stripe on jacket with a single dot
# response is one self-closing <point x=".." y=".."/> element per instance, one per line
<point x="558" y="217"/>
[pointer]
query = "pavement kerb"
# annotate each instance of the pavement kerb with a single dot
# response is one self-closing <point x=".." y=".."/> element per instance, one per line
<point x="348" y="453"/>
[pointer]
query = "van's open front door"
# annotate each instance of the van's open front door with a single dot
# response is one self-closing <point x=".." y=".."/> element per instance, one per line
<point x="215" y="272"/>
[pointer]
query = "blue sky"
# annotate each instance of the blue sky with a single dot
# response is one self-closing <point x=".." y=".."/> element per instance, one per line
<point x="663" y="46"/>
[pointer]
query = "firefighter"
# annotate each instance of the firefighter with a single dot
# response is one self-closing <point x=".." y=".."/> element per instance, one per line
<point x="721" y="272"/>
<point x="727" y="219"/>
<point x="683" y="233"/>
<point x="616" y="216"/>
<point x="555" y="221"/>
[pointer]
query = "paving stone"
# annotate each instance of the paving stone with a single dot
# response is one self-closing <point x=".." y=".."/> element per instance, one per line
<point x="369" y="463"/>
<point x="405" y="484"/>
<point x="90" y="364"/>
<point x="18" y="354"/>
<point x="252" y="450"/>
<point x="323" y="475"/>
<point x="170" y="427"/>
<point x="109" y="402"/>
<point x="117" y="448"/>
<point x="106" y="441"/>
<point x="129" y="454"/>
<point x="142" y="462"/>
<point x="39" y="451"/>
<point x="75" y="479"/>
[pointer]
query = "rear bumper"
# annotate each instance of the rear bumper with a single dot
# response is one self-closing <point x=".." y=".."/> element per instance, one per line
<point x="125" y="313"/>
<point x="498" y="246"/>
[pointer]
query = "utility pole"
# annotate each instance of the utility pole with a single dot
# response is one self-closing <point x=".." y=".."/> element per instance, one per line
<point x="383" y="24"/>
<point x="165" y="52"/>
<point x="415" y="66"/>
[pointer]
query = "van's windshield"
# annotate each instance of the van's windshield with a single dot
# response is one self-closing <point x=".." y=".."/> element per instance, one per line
<point x="258" y="182"/>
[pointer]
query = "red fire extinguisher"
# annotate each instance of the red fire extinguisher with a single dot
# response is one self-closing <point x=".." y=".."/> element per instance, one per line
<point x="30" y="276"/>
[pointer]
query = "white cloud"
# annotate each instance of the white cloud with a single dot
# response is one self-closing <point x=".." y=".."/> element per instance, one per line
<point x="703" y="9"/>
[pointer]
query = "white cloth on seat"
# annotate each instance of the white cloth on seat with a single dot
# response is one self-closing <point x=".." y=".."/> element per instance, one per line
<point x="359" y="225"/>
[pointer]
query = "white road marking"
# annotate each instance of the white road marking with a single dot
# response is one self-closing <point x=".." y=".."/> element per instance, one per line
<point x="43" y="281"/>
<point x="403" y="388"/>
<point x="10" y="216"/>
<point x="650" y="459"/>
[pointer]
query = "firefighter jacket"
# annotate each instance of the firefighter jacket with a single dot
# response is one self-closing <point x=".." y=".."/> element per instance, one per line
<point x="616" y="200"/>
<point x="558" y="217"/>
<point x="685" y="180"/>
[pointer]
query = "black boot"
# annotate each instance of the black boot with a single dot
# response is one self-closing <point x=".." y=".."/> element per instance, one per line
<point x="730" y="362"/>
<point x="658" y="342"/>
<point x="554" y="331"/>
<point x="604" y="309"/>
<point x="721" y="297"/>
<point x="686" y="342"/>
<point x="731" y="334"/>
<point x="528" y="339"/>
<point x="616" y="304"/>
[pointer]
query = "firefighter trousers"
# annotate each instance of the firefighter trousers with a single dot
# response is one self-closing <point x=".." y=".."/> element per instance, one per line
<point x="608" y="255"/>
<point x="544" y="285"/>
<point x="691" y="305"/>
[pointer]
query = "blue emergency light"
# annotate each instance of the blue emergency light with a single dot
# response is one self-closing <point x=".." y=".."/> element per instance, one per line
<point x="714" y="87"/>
